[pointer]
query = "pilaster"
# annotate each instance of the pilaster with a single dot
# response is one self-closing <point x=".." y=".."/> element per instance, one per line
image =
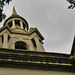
<point x="25" y="29"/>
<point x="5" y="42"/>
<point x="39" y="47"/>
<point x="12" y="46"/>
<point x="0" y="42"/>
<point x="13" y="24"/>
<point x="21" y="24"/>
<point x="31" y="47"/>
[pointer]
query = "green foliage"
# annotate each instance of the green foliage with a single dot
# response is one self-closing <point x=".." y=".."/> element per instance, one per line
<point x="2" y="4"/>
<point x="72" y="4"/>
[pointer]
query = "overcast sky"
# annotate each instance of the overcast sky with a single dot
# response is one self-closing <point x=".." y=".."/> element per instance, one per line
<point x="52" y="18"/>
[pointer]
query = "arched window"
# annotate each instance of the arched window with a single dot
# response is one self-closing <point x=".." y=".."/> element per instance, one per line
<point x="23" y="25"/>
<point x="20" y="45"/>
<point x="10" y="24"/>
<point x="17" y="22"/>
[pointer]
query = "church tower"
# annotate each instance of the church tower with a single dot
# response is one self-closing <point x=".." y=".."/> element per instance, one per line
<point x="22" y="52"/>
<point x="15" y="34"/>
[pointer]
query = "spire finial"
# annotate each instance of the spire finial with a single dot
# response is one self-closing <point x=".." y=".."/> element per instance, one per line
<point x="14" y="11"/>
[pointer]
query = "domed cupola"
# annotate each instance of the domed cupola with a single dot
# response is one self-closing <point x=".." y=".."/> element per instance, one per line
<point x="15" y="34"/>
<point x="16" y="21"/>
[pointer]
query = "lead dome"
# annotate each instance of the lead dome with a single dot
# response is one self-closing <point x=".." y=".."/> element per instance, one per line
<point x="16" y="20"/>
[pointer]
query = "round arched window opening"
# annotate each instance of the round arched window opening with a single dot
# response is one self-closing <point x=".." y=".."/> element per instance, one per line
<point x="10" y="24"/>
<point x="20" y="45"/>
<point x="23" y="25"/>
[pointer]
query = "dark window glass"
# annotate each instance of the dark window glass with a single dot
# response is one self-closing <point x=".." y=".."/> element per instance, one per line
<point x="23" y="25"/>
<point x="20" y="45"/>
<point x="10" y="24"/>
<point x="40" y="41"/>
<point x="8" y="37"/>
<point x="17" y="22"/>
<point x="34" y="43"/>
